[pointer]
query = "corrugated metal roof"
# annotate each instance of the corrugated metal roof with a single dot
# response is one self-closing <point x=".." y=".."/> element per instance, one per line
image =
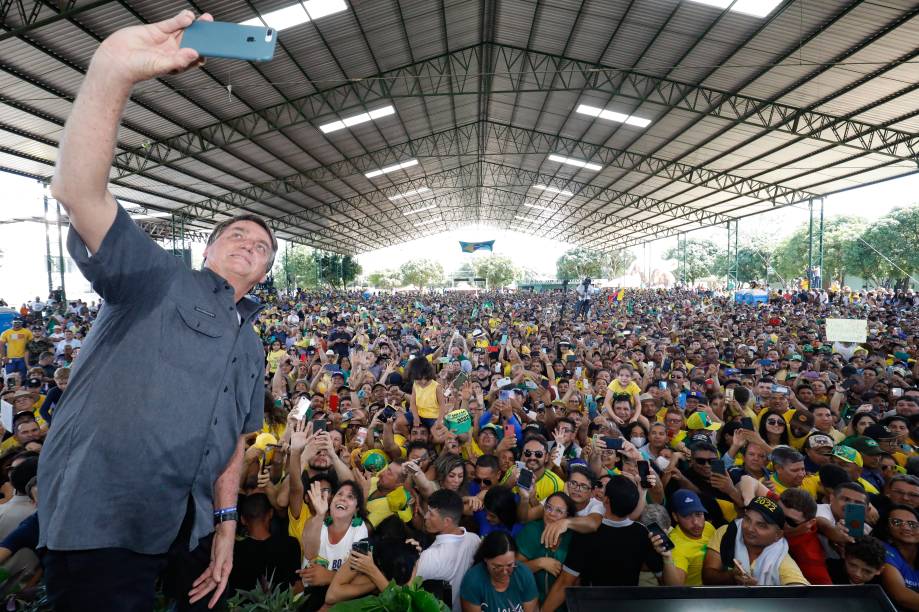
<point x="747" y="114"/>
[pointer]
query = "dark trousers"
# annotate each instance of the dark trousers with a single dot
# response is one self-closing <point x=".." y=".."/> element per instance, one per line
<point x="120" y="580"/>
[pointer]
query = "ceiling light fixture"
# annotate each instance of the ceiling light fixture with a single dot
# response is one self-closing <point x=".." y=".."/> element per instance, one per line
<point x="334" y="126"/>
<point x="412" y="212"/>
<point x="553" y="190"/>
<point x="528" y="219"/>
<point x="593" y="111"/>
<point x="298" y="13"/>
<point x="575" y="162"/>
<point x="545" y="208"/>
<point x="393" y="168"/>
<point x="410" y="193"/>
<point x="428" y="222"/>
<point x="754" y="8"/>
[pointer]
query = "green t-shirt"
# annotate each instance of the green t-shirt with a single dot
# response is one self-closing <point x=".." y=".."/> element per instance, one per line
<point x="478" y="590"/>
<point x="529" y="546"/>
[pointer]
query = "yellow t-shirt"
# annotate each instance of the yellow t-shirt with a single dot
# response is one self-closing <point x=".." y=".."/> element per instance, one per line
<point x="689" y="554"/>
<point x="392" y="503"/>
<point x="549" y="483"/>
<point x="789" y="572"/>
<point x="426" y="400"/>
<point x="811" y="484"/>
<point x="295" y="526"/>
<point x="632" y="389"/>
<point x="16" y="341"/>
<point x="274" y="357"/>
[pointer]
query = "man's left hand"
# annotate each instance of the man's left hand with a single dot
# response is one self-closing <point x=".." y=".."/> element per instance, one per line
<point x="217" y="574"/>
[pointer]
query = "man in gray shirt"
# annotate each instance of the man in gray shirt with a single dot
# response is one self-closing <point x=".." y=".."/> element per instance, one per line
<point x="143" y="460"/>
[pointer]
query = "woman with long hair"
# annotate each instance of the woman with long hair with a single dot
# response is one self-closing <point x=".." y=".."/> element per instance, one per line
<point x="427" y="403"/>
<point x="496" y="580"/>
<point x="773" y="428"/>
<point x="899" y="532"/>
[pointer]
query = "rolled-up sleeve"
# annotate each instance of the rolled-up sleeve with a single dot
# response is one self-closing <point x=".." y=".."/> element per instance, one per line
<point x="128" y="264"/>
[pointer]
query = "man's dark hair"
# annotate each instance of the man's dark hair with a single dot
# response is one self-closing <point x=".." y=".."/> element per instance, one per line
<point x="488" y="461"/>
<point x="254" y="507"/>
<point x="23" y="473"/>
<point x="868" y="550"/>
<point x="832" y="475"/>
<point x="330" y="477"/>
<point x="448" y="504"/>
<point x="800" y="500"/>
<point x="741" y="394"/>
<point x="622" y="495"/>
<point x="538" y="438"/>
<point x="223" y="225"/>
<point x="501" y="501"/>
<point x="785" y="455"/>
<point x="568" y="421"/>
<point x="849" y="486"/>
<point x="415" y="445"/>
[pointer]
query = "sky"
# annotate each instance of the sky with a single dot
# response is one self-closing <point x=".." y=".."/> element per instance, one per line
<point x="23" y="267"/>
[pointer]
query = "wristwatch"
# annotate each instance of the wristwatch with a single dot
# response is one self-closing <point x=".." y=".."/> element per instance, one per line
<point x="226" y="515"/>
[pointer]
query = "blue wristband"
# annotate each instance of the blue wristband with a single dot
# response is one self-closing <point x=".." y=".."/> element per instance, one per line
<point x="223" y="511"/>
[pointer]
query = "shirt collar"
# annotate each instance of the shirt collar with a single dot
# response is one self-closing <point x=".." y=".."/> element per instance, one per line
<point x="623" y="523"/>
<point x="246" y="306"/>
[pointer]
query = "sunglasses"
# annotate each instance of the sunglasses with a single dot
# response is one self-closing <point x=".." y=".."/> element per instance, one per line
<point x="703" y="461"/>
<point x="538" y="454"/>
<point x="775" y="422"/>
<point x="482" y="481"/>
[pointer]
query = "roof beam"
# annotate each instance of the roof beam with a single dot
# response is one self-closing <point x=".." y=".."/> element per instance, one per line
<point x="29" y="15"/>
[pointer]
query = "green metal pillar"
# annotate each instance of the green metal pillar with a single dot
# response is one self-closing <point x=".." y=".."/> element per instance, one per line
<point x="810" y="244"/>
<point x="820" y="250"/>
<point x="60" y="248"/>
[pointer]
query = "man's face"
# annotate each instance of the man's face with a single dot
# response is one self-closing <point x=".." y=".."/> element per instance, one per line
<point x="673" y="421"/>
<point x="419" y="433"/>
<point x="778" y="402"/>
<point x="845" y="496"/>
<point x="904" y="493"/>
<point x="692" y="524"/>
<point x="763" y="389"/>
<point x="241" y="253"/>
<point x="823" y="419"/>
<point x="27" y="431"/>
<point x="757" y="531"/>
<point x="820" y="455"/>
<point x="389" y="477"/>
<point x="534" y="455"/>
<point x="567" y="431"/>
<point x="433" y="522"/>
<point x="488" y="440"/>
<point x="860" y="572"/>
<point x="702" y="462"/>
<point x="485" y="477"/>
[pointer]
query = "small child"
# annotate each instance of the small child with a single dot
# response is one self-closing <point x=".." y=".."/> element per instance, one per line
<point x="862" y="562"/>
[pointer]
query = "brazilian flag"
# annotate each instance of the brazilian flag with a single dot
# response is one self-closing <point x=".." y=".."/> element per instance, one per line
<point x="472" y="247"/>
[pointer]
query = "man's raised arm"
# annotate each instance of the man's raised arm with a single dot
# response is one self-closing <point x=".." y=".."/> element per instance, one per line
<point x="125" y="58"/>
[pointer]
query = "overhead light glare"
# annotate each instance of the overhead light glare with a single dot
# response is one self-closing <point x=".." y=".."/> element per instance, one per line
<point x="527" y="219"/>
<point x="575" y="162"/>
<point x="554" y="190"/>
<point x="295" y="14"/>
<point x="754" y="8"/>
<point x="547" y="209"/>
<point x="393" y="168"/>
<point x="418" y="210"/>
<point x="334" y="126"/>
<point x="593" y="111"/>
<point x="150" y="214"/>
<point x="410" y="193"/>
<point x="428" y="222"/>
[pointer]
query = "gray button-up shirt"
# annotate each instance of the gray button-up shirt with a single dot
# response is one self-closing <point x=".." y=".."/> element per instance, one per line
<point x="167" y="381"/>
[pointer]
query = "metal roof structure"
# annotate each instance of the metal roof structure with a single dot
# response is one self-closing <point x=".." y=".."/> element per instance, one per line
<point x="745" y="113"/>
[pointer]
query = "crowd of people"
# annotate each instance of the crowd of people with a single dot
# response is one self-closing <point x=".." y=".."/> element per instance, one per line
<point x="503" y="446"/>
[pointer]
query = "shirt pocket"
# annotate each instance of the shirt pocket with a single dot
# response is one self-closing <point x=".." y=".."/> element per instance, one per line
<point x="192" y="340"/>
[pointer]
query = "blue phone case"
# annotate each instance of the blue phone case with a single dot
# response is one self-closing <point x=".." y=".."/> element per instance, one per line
<point x="230" y="40"/>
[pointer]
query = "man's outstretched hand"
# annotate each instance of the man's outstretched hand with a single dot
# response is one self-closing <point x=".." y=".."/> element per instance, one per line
<point x="217" y="574"/>
<point x="139" y="53"/>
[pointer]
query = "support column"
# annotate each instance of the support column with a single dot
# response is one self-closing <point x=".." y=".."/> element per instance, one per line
<point x="810" y="244"/>
<point x="820" y="272"/>
<point x="60" y="248"/>
<point x="48" y="244"/>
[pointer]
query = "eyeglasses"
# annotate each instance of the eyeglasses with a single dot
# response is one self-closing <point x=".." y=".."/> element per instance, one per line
<point x="530" y="453"/>
<point x="482" y="481"/>
<point x="578" y="486"/>
<point x="775" y="422"/>
<point x="494" y="567"/>
<point x="896" y="522"/>
<point x="550" y="509"/>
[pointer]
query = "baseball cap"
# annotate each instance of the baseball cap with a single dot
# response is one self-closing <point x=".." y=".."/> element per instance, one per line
<point x="698" y="395"/>
<point x="803" y="417"/>
<point x="795" y="357"/>
<point x="701" y="420"/>
<point x="878" y="432"/>
<point x="819" y="440"/>
<point x="34" y="383"/>
<point x="494" y="429"/>
<point x="848" y="454"/>
<point x="645" y="397"/>
<point x="685" y="502"/>
<point x="770" y="510"/>
<point x="866" y="446"/>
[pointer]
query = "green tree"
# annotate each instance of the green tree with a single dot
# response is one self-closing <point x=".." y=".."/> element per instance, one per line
<point x="385" y="279"/>
<point x="840" y="233"/>
<point x="754" y="254"/>
<point x="894" y="235"/>
<point x="701" y="259"/>
<point x="295" y="267"/>
<point x="335" y="269"/>
<point x="497" y="270"/>
<point x="579" y="262"/>
<point x="421" y="273"/>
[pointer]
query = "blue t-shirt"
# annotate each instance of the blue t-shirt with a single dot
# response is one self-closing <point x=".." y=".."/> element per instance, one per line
<point x="478" y="590"/>
<point x="909" y="573"/>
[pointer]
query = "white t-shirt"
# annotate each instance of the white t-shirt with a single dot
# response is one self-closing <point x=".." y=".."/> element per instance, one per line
<point x="594" y="506"/>
<point x="448" y="558"/>
<point x="337" y="553"/>
<point x="826" y="512"/>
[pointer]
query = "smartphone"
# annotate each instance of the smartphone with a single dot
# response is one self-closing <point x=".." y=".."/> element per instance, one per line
<point x="854" y="517"/>
<point x="388" y="413"/>
<point x="655" y="529"/>
<point x="347" y="416"/>
<point x="506" y="395"/>
<point x="577" y="372"/>
<point x="718" y="467"/>
<point x="320" y="425"/>
<point x="504" y="339"/>
<point x="748" y="371"/>
<point x="780" y="389"/>
<point x="361" y="436"/>
<point x="509" y="430"/>
<point x="443" y="360"/>
<point x="746" y="423"/>
<point x="333" y="403"/>
<point x="572" y="357"/>
<point x="525" y="479"/>
<point x="362" y="547"/>
<point x="662" y="385"/>
<point x="612" y="443"/>
<point x="460" y="380"/>
<point x="301" y="409"/>
<point x="896" y="392"/>
<point x="729" y="394"/>
<point x="230" y="40"/>
<point x="643" y="470"/>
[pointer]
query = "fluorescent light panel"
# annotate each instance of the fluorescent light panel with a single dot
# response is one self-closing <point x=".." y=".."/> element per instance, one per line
<point x="300" y="12"/>
<point x="428" y="222"/>
<point x="393" y="168"/>
<point x="410" y="193"/>
<point x="575" y="162"/>
<point x="553" y="190"/>
<point x="593" y="111"/>
<point x="755" y="8"/>
<point x="547" y="209"/>
<point x="412" y="212"/>
<point x="334" y="126"/>
<point x="528" y="219"/>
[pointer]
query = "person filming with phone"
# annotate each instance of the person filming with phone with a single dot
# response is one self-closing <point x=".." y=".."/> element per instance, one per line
<point x="177" y="429"/>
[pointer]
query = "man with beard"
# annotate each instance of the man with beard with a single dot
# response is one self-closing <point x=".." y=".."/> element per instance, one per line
<point x="318" y="453"/>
